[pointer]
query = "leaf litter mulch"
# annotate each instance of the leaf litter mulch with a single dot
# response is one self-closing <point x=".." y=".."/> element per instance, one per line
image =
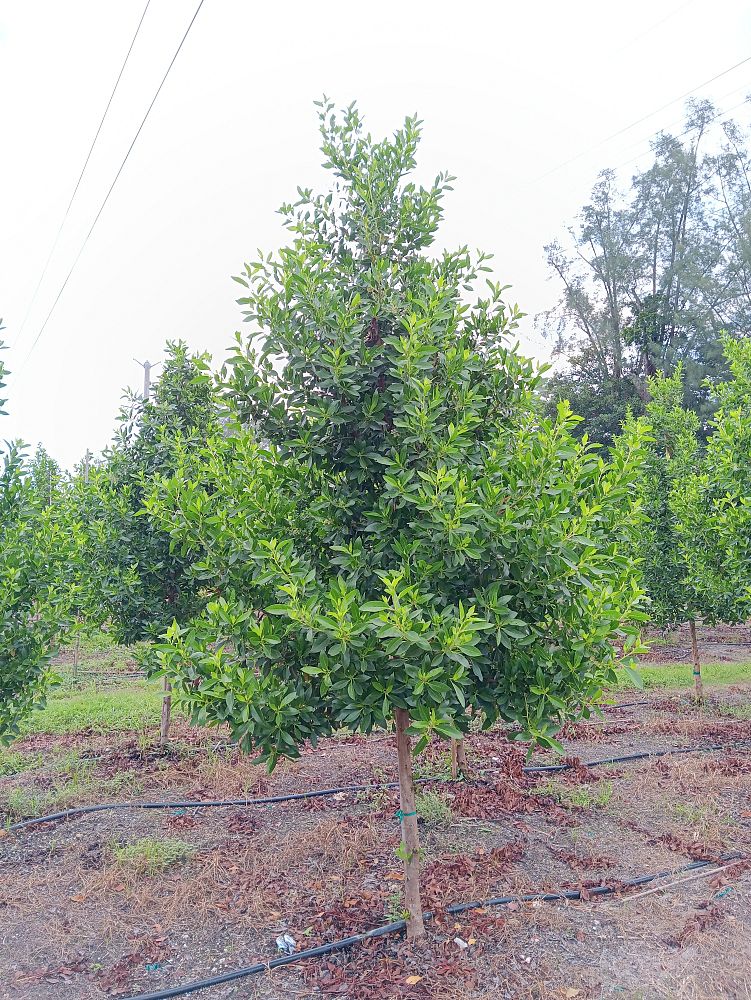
<point x="76" y="920"/>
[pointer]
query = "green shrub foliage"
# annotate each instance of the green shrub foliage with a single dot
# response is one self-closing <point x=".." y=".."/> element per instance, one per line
<point x="670" y="460"/>
<point x="713" y="505"/>
<point x="35" y="587"/>
<point x="136" y="582"/>
<point x="389" y="522"/>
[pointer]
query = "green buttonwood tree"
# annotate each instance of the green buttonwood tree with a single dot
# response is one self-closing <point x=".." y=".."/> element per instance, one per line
<point x="712" y="506"/>
<point x="391" y="529"/>
<point x="671" y="459"/>
<point x="136" y="583"/>
<point x="48" y="480"/>
<point x="35" y="587"/>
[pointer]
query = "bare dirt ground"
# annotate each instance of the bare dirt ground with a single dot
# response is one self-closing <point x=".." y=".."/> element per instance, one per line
<point x="82" y="920"/>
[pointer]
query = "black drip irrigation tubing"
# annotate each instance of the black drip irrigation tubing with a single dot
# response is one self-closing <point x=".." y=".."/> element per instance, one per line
<point x="322" y="792"/>
<point x="399" y="925"/>
<point x="642" y="755"/>
<point x="627" y="704"/>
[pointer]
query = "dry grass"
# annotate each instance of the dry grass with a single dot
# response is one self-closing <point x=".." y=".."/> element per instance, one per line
<point x="327" y="867"/>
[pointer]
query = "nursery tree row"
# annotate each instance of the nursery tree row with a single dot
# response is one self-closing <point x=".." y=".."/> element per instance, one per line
<point x="694" y="548"/>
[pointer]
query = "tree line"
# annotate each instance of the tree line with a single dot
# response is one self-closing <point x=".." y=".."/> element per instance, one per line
<point x="654" y="276"/>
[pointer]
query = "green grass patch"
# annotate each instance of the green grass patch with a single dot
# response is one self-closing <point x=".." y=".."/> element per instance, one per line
<point x="433" y="808"/>
<point x="584" y="796"/>
<point x="131" y="707"/>
<point x="151" y="855"/>
<point x="734" y="711"/>
<point x="696" y="815"/>
<point x="16" y="762"/>
<point x="433" y="767"/>
<point x="25" y="802"/>
<point x="680" y="675"/>
<point x="97" y="664"/>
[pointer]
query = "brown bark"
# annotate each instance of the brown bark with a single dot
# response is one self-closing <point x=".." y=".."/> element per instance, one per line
<point x="410" y="836"/>
<point x="166" y="710"/>
<point x="698" y="685"/>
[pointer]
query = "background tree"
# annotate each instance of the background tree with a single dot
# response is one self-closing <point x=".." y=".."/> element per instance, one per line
<point x="713" y="504"/>
<point x="732" y="166"/>
<point x="138" y="584"/>
<point x="651" y="279"/>
<point x="671" y="458"/>
<point x="35" y="553"/>
<point x="48" y="480"/>
<point x="414" y="541"/>
<point x="603" y="404"/>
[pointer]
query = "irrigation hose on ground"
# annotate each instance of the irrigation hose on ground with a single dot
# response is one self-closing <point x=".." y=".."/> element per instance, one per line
<point x="322" y="792"/>
<point x="400" y="925"/>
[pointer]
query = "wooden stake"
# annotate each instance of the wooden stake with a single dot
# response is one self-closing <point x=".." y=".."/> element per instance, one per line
<point x="410" y="835"/>
<point x="698" y="686"/>
<point x="458" y="759"/>
<point x="166" y="710"/>
<point x="461" y="757"/>
<point x="704" y="873"/>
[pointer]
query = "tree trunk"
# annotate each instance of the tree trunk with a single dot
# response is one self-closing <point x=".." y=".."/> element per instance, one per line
<point x="166" y="710"/>
<point x="76" y="656"/>
<point x="410" y="837"/>
<point x="698" y="686"/>
<point x="458" y="759"/>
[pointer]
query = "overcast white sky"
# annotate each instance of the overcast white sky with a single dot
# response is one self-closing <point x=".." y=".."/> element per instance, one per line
<point x="508" y="91"/>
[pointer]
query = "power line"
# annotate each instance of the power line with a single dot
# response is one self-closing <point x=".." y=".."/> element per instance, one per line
<point x="679" y="121"/>
<point x="644" y="118"/>
<point x="112" y="186"/>
<point x="691" y="128"/>
<point x="80" y="176"/>
<point x="656" y="24"/>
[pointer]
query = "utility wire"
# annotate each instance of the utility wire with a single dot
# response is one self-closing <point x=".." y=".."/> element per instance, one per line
<point x="627" y="128"/>
<point x="111" y="188"/>
<point x="80" y="176"/>
<point x="691" y="128"/>
<point x="651" y="28"/>
<point x="676" y="122"/>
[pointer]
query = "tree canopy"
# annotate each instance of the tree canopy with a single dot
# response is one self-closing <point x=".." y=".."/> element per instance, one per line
<point x="713" y="504"/>
<point x="670" y="460"/>
<point x="137" y="584"/>
<point x="36" y="545"/>
<point x="450" y="536"/>
<point x="388" y="527"/>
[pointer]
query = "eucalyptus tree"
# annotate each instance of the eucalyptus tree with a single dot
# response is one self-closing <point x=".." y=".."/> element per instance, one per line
<point x="390" y="530"/>
<point x="650" y="277"/>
